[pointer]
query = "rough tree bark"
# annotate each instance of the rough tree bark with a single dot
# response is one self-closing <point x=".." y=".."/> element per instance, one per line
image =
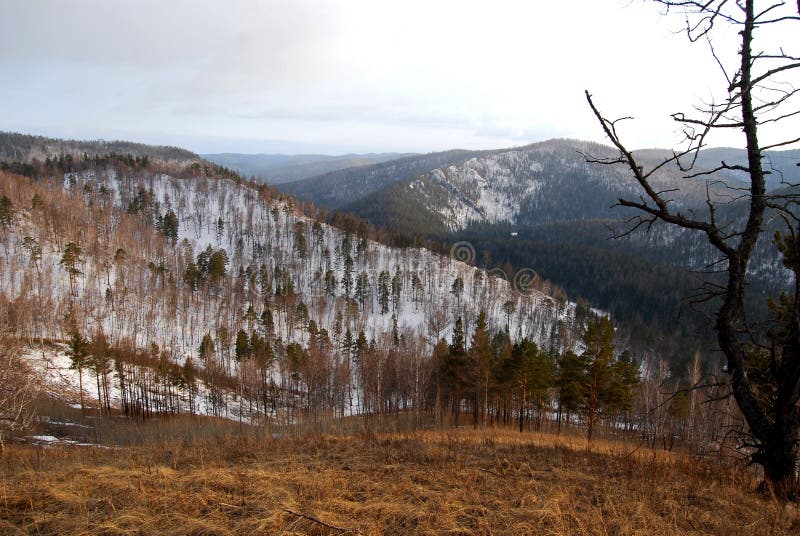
<point x="758" y="93"/>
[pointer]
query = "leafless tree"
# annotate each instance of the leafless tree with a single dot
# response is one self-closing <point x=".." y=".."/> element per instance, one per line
<point x="763" y="361"/>
<point x="18" y="388"/>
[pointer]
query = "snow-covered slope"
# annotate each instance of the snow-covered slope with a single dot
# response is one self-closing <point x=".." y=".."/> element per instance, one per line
<point x="133" y="279"/>
<point x="544" y="182"/>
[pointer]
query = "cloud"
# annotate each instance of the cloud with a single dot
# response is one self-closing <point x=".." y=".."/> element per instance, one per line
<point x="459" y="73"/>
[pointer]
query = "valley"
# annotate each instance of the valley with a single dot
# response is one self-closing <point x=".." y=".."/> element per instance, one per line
<point x="399" y="268"/>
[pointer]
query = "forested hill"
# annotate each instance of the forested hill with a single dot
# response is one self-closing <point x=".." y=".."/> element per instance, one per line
<point x="167" y="272"/>
<point x="544" y="206"/>
<point x="339" y="188"/>
<point x="540" y="183"/>
<point x="15" y="147"/>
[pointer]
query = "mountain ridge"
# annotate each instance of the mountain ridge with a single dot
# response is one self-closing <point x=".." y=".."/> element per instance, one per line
<point x="17" y="147"/>
<point x="281" y="168"/>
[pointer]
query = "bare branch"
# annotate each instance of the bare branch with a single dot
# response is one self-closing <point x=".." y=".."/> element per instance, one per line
<point x="781" y="144"/>
<point x="722" y="167"/>
<point x="755" y="81"/>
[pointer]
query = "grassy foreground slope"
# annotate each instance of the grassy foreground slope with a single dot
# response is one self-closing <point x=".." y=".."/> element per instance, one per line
<point x="456" y="482"/>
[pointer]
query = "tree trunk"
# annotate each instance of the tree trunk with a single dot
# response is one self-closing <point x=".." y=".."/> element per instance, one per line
<point x="780" y="468"/>
<point x="80" y="388"/>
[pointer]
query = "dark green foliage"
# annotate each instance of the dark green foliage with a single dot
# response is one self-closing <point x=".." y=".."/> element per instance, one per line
<point x="360" y="347"/>
<point x="211" y="266"/>
<point x="454" y="371"/>
<point x="192" y="276"/>
<point x="242" y="345"/>
<point x="296" y="356"/>
<point x="6" y="211"/>
<point x="142" y="202"/>
<point x="599" y="360"/>
<point x="571" y="382"/>
<point x="509" y="307"/>
<point x="383" y="291"/>
<point x="534" y="369"/>
<point x="78" y="351"/>
<point x="71" y="258"/>
<point x="347" y="276"/>
<point x="268" y="322"/>
<point x="261" y="351"/>
<point x="397" y="288"/>
<point x="300" y="243"/>
<point x="457" y="289"/>
<point x="301" y="314"/>
<point x="347" y="344"/>
<point x="625" y="375"/>
<point x="206" y="350"/>
<point x="169" y="225"/>
<point x="362" y="289"/>
<point x="330" y="283"/>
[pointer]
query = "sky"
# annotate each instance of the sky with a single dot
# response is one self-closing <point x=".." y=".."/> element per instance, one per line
<point x="337" y="76"/>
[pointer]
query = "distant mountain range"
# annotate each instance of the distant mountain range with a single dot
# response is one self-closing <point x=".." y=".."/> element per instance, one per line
<point x="541" y="183"/>
<point x="281" y="168"/>
<point x="340" y="188"/>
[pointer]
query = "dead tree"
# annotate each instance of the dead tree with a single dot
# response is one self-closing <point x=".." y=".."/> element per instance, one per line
<point x="763" y="361"/>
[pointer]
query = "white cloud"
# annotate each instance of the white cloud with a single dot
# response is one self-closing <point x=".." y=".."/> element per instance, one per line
<point x="377" y="75"/>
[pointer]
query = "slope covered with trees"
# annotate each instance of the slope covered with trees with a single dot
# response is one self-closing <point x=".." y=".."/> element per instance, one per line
<point x="160" y="288"/>
<point x="167" y="285"/>
<point x="339" y="188"/>
<point x="545" y="207"/>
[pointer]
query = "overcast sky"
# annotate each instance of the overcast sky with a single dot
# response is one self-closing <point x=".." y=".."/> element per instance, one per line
<point x="335" y="76"/>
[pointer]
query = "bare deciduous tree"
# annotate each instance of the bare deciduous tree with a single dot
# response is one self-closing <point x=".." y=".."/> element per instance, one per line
<point x="763" y="361"/>
<point x="18" y="389"/>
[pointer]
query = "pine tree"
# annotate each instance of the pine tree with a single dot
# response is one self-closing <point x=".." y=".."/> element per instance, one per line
<point x="397" y="288"/>
<point x="70" y="261"/>
<point x="535" y="372"/>
<point x="455" y="366"/>
<point x="347" y="276"/>
<point x="360" y="347"/>
<point x="170" y="225"/>
<point x="480" y="356"/>
<point x="362" y="289"/>
<point x="383" y="291"/>
<point x="571" y="381"/>
<point x="299" y="242"/>
<point x="509" y="307"/>
<point x="78" y="351"/>
<point x="457" y="289"/>
<point x="206" y="350"/>
<point x="242" y="346"/>
<point x="599" y="358"/>
<point x="99" y="360"/>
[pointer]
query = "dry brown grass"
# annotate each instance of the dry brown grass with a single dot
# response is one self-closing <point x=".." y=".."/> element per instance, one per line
<point x="458" y="482"/>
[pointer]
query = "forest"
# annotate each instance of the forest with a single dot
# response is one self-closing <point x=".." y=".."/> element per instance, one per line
<point x="168" y="289"/>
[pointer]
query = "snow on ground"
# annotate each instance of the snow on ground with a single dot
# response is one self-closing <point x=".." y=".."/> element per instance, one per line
<point x="254" y="233"/>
